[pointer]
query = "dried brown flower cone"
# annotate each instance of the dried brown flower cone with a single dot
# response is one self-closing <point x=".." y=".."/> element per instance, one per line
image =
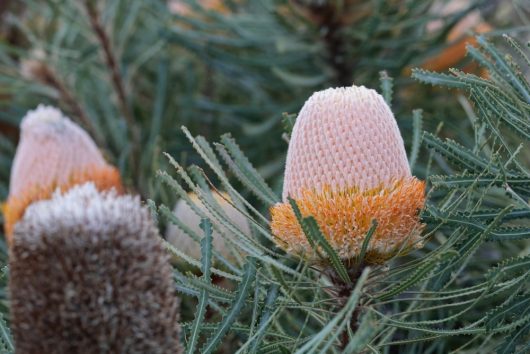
<point x="89" y="275"/>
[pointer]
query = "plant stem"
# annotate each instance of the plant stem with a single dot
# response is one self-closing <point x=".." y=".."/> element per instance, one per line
<point x="342" y="293"/>
<point x="329" y="18"/>
<point x="117" y="83"/>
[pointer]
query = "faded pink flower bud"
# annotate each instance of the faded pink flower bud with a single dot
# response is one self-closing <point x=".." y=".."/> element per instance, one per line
<point x="185" y="213"/>
<point x="53" y="153"/>
<point x="346" y="166"/>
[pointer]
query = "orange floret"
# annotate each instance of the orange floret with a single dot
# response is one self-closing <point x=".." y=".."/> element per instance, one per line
<point x="346" y="216"/>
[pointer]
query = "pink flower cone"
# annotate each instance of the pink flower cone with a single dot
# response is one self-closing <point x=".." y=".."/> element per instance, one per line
<point x="346" y="166"/>
<point x="53" y="153"/>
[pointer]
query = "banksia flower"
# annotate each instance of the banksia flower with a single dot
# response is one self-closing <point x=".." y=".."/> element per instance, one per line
<point x="53" y="153"/>
<point x="183" y="212"/>
<point x="459" y="37"/>
<point x="88" y="274"/>
<point x="457" y="48"/>
<point x="346" y="166"/>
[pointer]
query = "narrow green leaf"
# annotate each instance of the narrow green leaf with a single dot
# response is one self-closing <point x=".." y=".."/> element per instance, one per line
<point x="244" y="170"/>
<point x="417" y="126"/>
<point x="316" y="239"/>
<point x="365" y="332"/>
<point x="246" y="167"/>
<point x="517" y="337"/>
<point x="197" y="322"/>
<point x="206" y="248"/>
<point x="387" y="86"/>
<point x="466" y="180"/>
<point x="437" y="79"/>
<point x="5" y="335"/>
<point x="510" y="268"/>
<point x="504" y="68"/>
<point x="288" y="121"/>
<point x="419" y="274"/>
<point x="364" y="247"/>
<point x="206" y="259"/>
<point x="458" y="154"/>
<point x="151" y="205"/>
<point x="513" y="311"/>
<point x="268" y="308"/>
<point x="243" y="290"/>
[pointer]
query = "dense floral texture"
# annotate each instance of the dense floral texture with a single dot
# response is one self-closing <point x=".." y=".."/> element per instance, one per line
<point x="191" y="220"/>
<point x="346" y="166"/>
<point x="53" y="153"/>
<point x="88" y="274"/>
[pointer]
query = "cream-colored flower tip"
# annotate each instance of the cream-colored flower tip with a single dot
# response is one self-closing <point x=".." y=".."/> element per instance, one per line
<point x="53" y="152"/>
<point x="187" y="216"/>
<point x="346" y="166"/>
<point x="88" y="274"/>
<point x="50" y="142"/>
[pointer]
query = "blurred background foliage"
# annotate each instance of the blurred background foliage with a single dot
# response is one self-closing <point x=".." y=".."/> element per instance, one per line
<point x="133" y="72"/>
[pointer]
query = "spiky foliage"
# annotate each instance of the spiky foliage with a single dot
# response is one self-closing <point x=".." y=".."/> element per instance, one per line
<point x="238" y="71"/>
<point x="187" y="222"/>
<point x="466" y="291"/>
<point x="131" y="72"/>
<point x="89" y="275"/>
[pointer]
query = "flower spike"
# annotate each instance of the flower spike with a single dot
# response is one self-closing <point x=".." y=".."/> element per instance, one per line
<point x="53" y="153"/>
<point x="346" y="166"/>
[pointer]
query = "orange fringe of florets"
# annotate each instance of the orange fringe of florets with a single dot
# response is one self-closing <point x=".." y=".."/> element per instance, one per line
<point x="104" y="178"/>
<point x="346" y="216"/>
